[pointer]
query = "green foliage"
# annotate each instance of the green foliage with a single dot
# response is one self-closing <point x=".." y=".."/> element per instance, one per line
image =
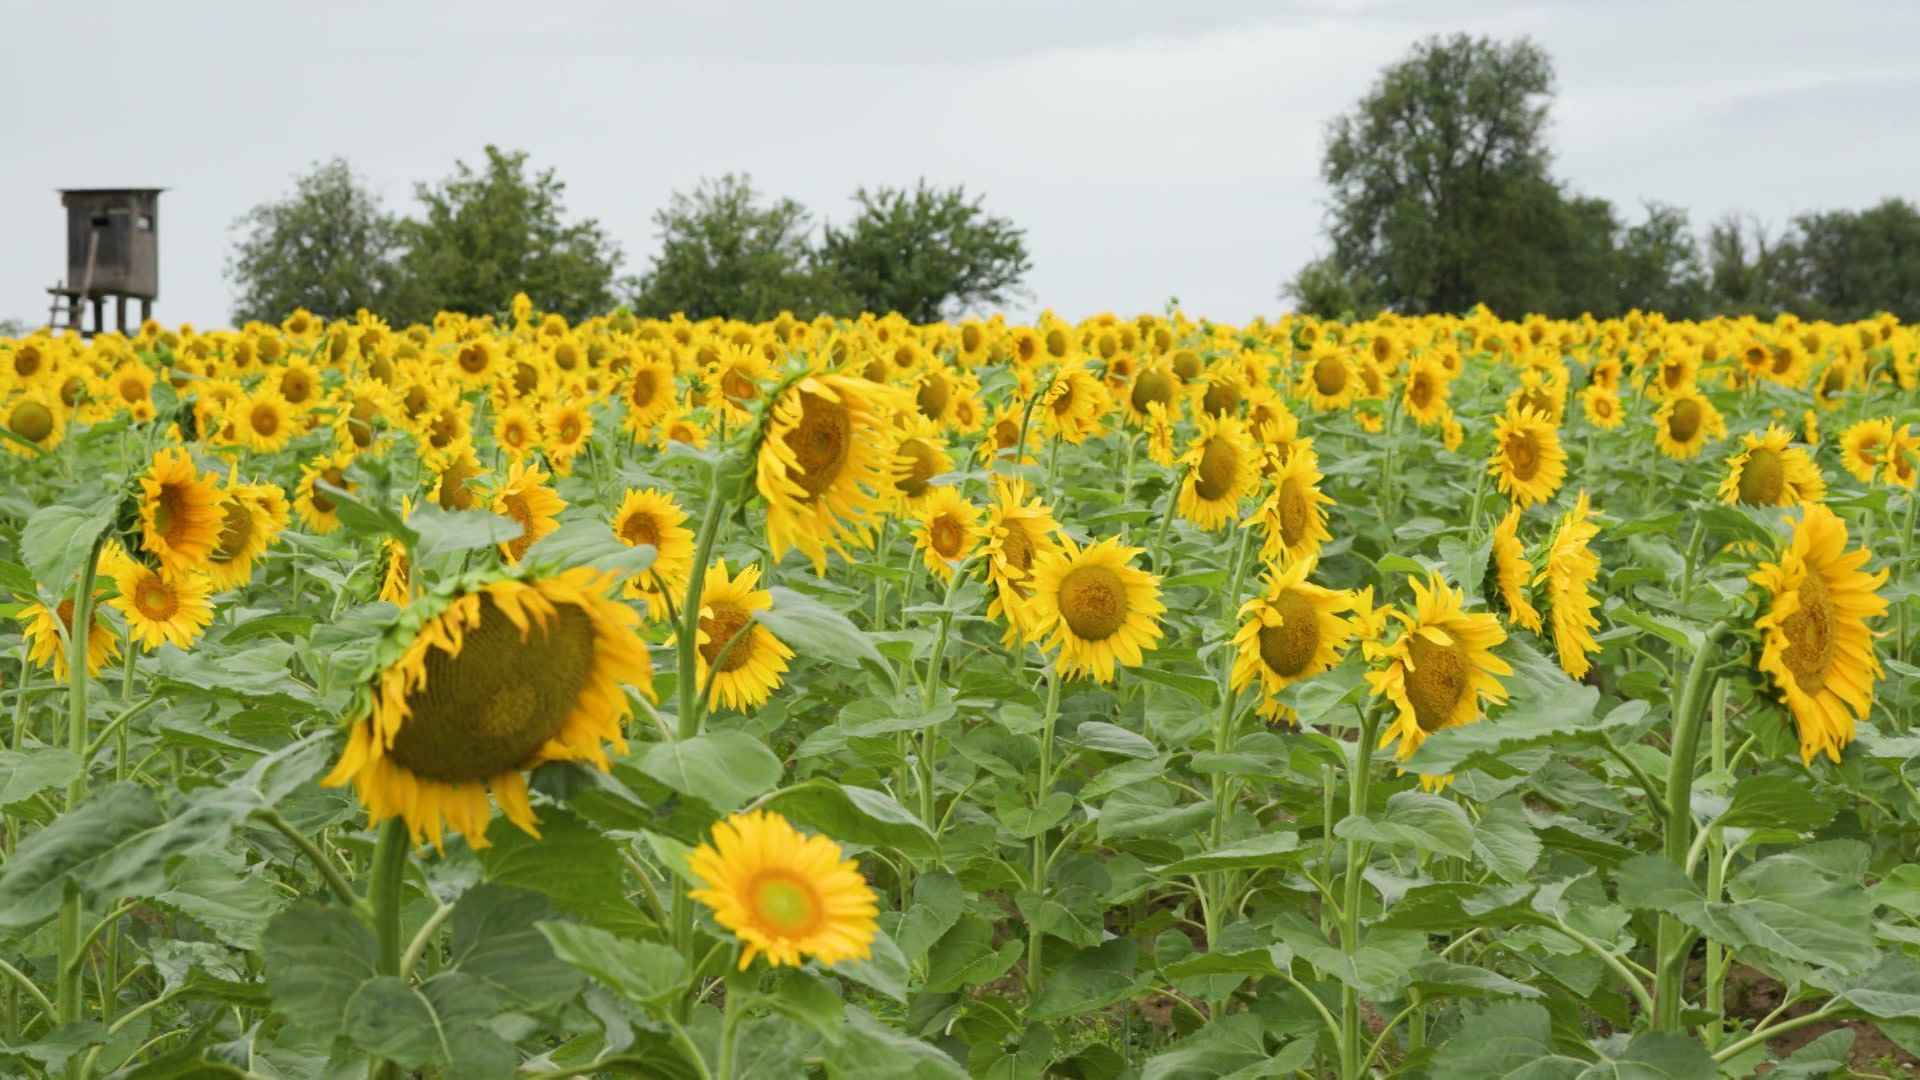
<point x="926" y="253"/>
<point x="725" y="252"/>
<point x="328" y="247"/>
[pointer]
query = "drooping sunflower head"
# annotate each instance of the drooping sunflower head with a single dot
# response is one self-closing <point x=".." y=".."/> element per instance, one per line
<point x="1294" y="515"/>
<point x="949" y="531"/>
<point x="825" y="466"/>
<point x="1222" y="468"/>
<point x="481" y="681"/>
<point x="179" y="511"/>
<point x="1903" y="457"/>
<point x="1816" y="646"/>
<point x="650" y="516"/>
<point x="1569" y="572"/>
<point x="1771" y="471"/>
<point x="525" y="497"/>
<point x="1508" y="573"/>
<point x="1096" y="607"/>
<point x="786" y="896"/>
<point x="1528" y="461"/>
<point x="1441" y="671"/>
<point x="920" y="454"/>
<point x="1019" y="530"/>
<point x="1292" y="632"/>
<point x="251" y="517"/>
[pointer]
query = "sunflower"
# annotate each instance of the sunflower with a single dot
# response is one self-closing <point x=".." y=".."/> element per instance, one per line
<point x="263" y="420"/>
<point x="179" y="511"/>
<point x="1440" y="669"/>
<point x="565" y="428"/>
<point x="535" y="507"/>
<point x="1425" y="395"/>
<point x="748" y="658"/>
<point x="933" y="393"/>
<point x="652" y="517"/>
<point x="1685" y="422"/>
<point x="1002" y="435"/>
<point x="1770" y="471"/>
<point x="949" y="531"/>
<point x="457" y="471"/>
<point x="1222" y="469"/>
<point x="1509" y="570"/>
<point x="315" y="508"/>
<point x="1160" y="447"/>
<point x="1528" y="462"/>
<point x="1328" y="379"/>
<point x="785" y="895"/>
<point x="738" y="373"/>
<point x="36" y="417"/>
<point x="1153" y="384"/>
<point x="825" y="465"/>
<point x="1291" y="633"/>
<point x="1541" y="392"/>
<point x="1569" y="573"/>
<point x="1903" y="455"/>
<point x="396" y="572"/>
<point x="1815" y="642"/>
<point x="486" y="681"/>
<point x="1073" y="404"/>
<point x="919" y="455"/>
<point x="1097" y="607"/>
<point x="162" y="607"/>
<point x="1601" y="407"/>
<point x="648" y="392"/>
<point x="1863" y="447"/>
<point x="252" y="516"/>
<point x="516" y="431"/>
<point x="1294" y="515"/>
<point x="1020" y="529"/>
<point x="46" y="647"/>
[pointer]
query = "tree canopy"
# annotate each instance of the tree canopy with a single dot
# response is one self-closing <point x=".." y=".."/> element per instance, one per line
<point x="328" y="246"/>
<point x="925" y="253"/>
<point x="726" y="251"/>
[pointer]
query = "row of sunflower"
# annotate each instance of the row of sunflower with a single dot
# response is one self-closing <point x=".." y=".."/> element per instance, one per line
<point x="1028" y="618"/>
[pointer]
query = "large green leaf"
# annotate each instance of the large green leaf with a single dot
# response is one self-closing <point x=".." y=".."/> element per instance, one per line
<point x="723" y="769"/>
<point x="855" y="815"/>
<point x="1416" y="820"/>
<point x="1776" y="802"/>
<point x="57" y="540"/>
<point x="110" y="845"/>
<point x="1254" y="853"/>
<point x="436" y="1023"/>
<point x="813" y="629"/>
<point x="646" y="973"/>
<point x="1508" y="1041"/>
<point x="26" y="773"/>
<point x="1088" y="980"/>
<point x="316" y="957"/>
<point x="496" y="942"/>
<point x="1792" y="906"/>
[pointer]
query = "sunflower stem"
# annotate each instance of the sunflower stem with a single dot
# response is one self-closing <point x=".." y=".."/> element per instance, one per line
<point x="1675" y="940"/>
<point x="1166" y="520"/>
<point x="1716" y="963"/>
<point x="1357" y="784"/>
<point x="71" y="942"/>
<point x="1037" y="880"/>
<point x="687" y="680"/>
<point x="383" y="896"/>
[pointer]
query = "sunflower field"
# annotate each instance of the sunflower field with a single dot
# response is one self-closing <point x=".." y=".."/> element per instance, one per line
<point x="1148" y="697"/>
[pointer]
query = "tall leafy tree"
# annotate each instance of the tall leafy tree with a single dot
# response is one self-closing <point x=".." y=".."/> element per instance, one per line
<point x="485" y="234"/>
<point x="327" y="246"/>
<point x="724" y="251"/>
<point x="1846" y="264"/>
<point x="1658" y="265"/>
<point x="925" y="253"/>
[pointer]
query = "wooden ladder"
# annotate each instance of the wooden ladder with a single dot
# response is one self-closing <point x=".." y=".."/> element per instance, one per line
<point x="71" y="301"/>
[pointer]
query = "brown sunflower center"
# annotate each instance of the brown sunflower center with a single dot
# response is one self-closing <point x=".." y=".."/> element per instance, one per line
<point x="1523" y="455"/>
<point x="640" y="529"/>
<point x="785" y="903"/>
<point x="1153" y="386"/>
<point x="1221" y="398"/>
<point x="1017" y="548"/>
<point x="569" y="429"/>
<point x="946" y="537"/>
<point x="1289" y="648"/>
<point x="265" y="420"/>
<point x="488" y="709"/>
<point x="970" y="338"/>
<point x="1093" y="601"/>
<point x="923" y="463"/>
<point x="132" y="389"/>
<point x="820" y="442"/>
<point x="155" y="600"/>
<point x="455" y="493"/>
<point x="1763" y="477"/>
<point x="1006" y="432"/>
<point x="1683" y="423"/>
<point x="1296" y="512"/>
<point x="26" y="362"/>
<point x="1810" y="632"/>
<point x="1329" y="375"/>
<point x="933" y="396"/>
<point x="643" y="389"/>
<point x="236" y="528"/>
<point x="31" y="421"/>
<point x="1437" y="678"/>
<point x="65" y="611"/>
<point x="1218" y="471"/>
<point x="1186" y="364"/>
<point x="726" y="621"/>
<point x="1058" y="343"/>
<point x="737" y="386"/>
<point x="334" y="477"/>
<point x="296" y="386"/>
<point x="474" y="359"/>
<point x="1420" y="390"/>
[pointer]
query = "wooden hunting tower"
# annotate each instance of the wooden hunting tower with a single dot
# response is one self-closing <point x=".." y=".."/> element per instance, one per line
<point x="113" y="249"/>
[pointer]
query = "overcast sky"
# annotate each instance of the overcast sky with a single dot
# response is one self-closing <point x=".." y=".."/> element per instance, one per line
<point x="1150" y="150"/>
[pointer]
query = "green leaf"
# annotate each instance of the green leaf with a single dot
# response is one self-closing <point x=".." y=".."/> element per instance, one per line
<point x="1775" y="802"/>
<point x="811" y="628"/>
<point x="57" y="540"/>
<point x="105" y="844"/>
<point x="1107" y="738"/>
<point x="874" y="1051"/>
<point x="1511" y="1039"/>
<point x="724" y="769"/>
<point x="938" y="901"/>
<point x="1505" y="842"/>
<point x="316" y="957"/>
<point x="965" y="956"/>
<point x="495" y="941"/>
<point x="1258" y="852"/>
<point x="855" y="815"/>
<point x="1443" y="978"/>
<point x="575" y="866"/>
<point x="1828" y="1056"/>
<point x="884" y="971"/>
<point x="1418" y="820"/>
<point x="268" y="626"/>
<point x="646" y="973"/>
<point x="587" y="543"/>
<point x="1657" y="1055"/>
<point x="1792" y="906"/>
<point x="26" y="773"/>
<point x="1230" y="1043"/>
<point x="436" y="1023"/>
<point x="218" y="894"/>
<point x="1891" y="991"/>
<point x="1089" y="980"/>
<point x="1149" y="809"/>
<point x="445" y="532"/>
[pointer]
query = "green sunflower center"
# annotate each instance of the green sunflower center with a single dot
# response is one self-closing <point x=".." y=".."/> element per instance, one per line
<point x="1523" y="455"/>
<point x="820" y="442"/>
<point x="1683" y="423"/>
<point x="488" y="709"/>
<point x="1437" y="678"/>
<point x="236" y="528"/>
<point x="1093" y="601"/>
<point x="922" y="461"/>
<point x="1296" y="512"/>
<point x="1810" y="632"/>
<point x="1763" y="477"/>
<point x="1218" y="471"/>
<point x="1221" y="398"/>
<point x="1329" y="375"/>
<point x="1152" y="386"/>
<point x="1289" y="648"/>
<point x="785" y="904"/>
<point x="32" y="421"/>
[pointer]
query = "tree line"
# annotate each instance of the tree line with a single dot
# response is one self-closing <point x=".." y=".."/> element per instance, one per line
<point x="1441" y="195"/>
<point x="488" y="232"/>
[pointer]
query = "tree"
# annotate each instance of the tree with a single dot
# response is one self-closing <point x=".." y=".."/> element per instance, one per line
<point x="1845" y="265"/>
<point x="1323" y="290"/>
<point x="486" y="235"/>
<point x="1745" y="268"/>
<point x="1436" y="168"/>
<point x="327" y="247"/>
<point x="925" y="253"/>
<point x="723" y="252"/>
<point x="1659" y="266"/>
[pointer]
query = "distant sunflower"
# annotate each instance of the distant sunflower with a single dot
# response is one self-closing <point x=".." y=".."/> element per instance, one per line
<point x="919" y="455"/>
<point x="1441" y="669"/>
<point x="1328" y="379"/>
<point x="1509" y="571"/>
<point x="648" y="393"/>
<point x="252" y="516"/>
<point x="1863" y="447"/>
<point x="652" y="517"/>
<point x="516" y="431"/>
<point x="1601" y="407"/>
<point x="1685" y="422"/>
<point x="1569" y="572"/>
<point x="1294" y="516"/>
<point x="1815" y="643"/>
<point x="785" y="895"/>
<point x="565" y="428"/>
<point x="1528" y="462"/>
<point x="825" y="465"/>
<point x="1095" y="607"/>
<point x="934" y="392"/>
<point x="1771" y="471"/>
<point x="1220" y="392"/>
<point x="1153" y="384"/>
<point x="1160" y="448"/>
<point x="738" y="374"/>
<point x="1289" y="634"/>
<point x="1903" y="457"/>
<point x="1019" y="530"/>
<point x="179" y="511"/>
<point x="525" y="497"/>
<point x="36" y="417"/>
<point x="1072" y="406"/>
<point x="457" y="471"/>
<point x="46" y="648"/>
<point x="1543" y="394"/>
<point x="264" y="421"/>
<point x="1425" y="395"/>
<point x="160" y="607"/>
<point x="487" y="681"/>
<point x="320" y="512"/>
<point x="745" y="658"/>
<point x="1222" y="469"/>
<point x="949" y="531"/>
